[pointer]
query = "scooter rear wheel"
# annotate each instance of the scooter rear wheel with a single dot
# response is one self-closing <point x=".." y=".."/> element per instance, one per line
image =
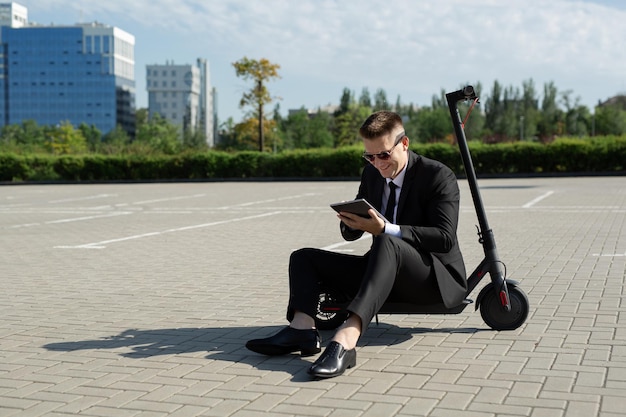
<point x="496" y="317"/>
<point x="331" y="311"/>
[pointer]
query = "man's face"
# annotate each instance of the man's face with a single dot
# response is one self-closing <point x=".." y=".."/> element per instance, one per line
<point x="398" y="157"/>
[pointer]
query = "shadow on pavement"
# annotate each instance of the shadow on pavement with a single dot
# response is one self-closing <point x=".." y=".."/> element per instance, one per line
<point x="228" y="344"/>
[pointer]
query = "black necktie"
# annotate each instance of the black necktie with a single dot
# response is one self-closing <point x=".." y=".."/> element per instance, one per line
<point x="391" y="202"/>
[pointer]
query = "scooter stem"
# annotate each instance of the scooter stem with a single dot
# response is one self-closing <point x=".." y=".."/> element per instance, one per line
<point x="487" y="239"/>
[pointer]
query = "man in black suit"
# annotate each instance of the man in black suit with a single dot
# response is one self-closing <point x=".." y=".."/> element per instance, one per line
<point x="414" y="256"/>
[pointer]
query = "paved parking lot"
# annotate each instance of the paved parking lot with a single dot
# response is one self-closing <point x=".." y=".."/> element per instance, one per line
<point x="137" y="300"/>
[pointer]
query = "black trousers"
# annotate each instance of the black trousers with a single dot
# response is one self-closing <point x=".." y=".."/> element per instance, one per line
<point x="392" y="269"/>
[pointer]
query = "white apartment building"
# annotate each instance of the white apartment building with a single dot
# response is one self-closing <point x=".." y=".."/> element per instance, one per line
<point x="13" y="15"/>
<point x="182" y="94"/>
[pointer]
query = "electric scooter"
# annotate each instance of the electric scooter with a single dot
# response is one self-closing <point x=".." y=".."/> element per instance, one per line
<point x="503" y="304"/>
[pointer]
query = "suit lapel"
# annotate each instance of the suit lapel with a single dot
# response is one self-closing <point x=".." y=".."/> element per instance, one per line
<point x="409" y="179"/>
<point x="379" y="186"/>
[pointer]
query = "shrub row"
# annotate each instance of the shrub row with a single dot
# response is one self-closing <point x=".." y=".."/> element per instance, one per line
<point x="607" y="154"/>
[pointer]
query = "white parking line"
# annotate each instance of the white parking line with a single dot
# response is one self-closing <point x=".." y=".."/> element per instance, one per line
<point x="271" y="200"/>
<point x="102" y="244"/>
<point x="158" y="200"/>
<point x="609" y="255"/>
<point x="334" y="246"/>
<point x="538" y="199"/>
<point x="73" y="219"/>
<point x="91" y="197"/>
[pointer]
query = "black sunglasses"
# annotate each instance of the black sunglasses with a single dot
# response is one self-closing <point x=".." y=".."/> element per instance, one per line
<point x="385" y="155"/>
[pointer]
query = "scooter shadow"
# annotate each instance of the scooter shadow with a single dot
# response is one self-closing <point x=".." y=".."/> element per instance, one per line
<point x="228" y="344"/>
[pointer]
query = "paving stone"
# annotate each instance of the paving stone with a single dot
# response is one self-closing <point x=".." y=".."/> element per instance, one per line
<point x="137" y="300"/>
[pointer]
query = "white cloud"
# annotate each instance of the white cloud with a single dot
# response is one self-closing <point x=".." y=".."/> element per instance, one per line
<point x="408" y="47"/>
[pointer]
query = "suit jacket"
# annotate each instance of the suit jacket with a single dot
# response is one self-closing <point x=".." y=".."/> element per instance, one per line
<point x="428" y="212"/>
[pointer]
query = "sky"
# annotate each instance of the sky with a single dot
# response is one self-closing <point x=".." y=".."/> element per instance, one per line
<point x="412" y="49"/>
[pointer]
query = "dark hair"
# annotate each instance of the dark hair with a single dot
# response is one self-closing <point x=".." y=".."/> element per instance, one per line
<point x="380" y="124"/>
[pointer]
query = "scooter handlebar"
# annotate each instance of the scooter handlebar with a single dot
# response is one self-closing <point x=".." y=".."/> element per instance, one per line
<point x="466" y="93"/>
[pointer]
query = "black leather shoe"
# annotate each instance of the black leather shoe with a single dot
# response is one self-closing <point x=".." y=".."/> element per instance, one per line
<point x="288" y="340"/>
<point x="333" y="362"/>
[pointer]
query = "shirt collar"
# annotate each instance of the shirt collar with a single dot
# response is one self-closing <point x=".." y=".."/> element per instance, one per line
<point x="399" y="180"/>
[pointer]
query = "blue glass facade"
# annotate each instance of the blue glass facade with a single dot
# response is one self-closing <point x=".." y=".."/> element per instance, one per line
<point x="56" y="74"/>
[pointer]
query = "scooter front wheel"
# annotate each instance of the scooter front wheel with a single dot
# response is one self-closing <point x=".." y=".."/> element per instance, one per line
<point x="496" y="317"/>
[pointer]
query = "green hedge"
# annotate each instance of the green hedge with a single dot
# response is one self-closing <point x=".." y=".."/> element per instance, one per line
<point x="590" y="155"/>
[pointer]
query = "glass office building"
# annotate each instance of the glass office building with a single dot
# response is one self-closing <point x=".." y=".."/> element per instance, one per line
<point x="81" y="74"/>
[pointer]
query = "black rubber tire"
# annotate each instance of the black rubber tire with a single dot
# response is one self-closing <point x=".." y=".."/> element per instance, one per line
<point x="329" y="320"/>
<point x="497" y="318"/>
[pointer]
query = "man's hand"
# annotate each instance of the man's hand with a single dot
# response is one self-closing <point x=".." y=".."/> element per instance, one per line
<point x="374" y="224"/>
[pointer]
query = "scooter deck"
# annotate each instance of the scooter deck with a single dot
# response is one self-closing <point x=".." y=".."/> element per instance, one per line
<point x="409" y="308"/>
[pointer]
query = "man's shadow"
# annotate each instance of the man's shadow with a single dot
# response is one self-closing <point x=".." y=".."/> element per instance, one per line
<point x="228" y="344"/>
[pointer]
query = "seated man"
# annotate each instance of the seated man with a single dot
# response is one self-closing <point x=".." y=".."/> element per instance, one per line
<point x="414" y="255"/>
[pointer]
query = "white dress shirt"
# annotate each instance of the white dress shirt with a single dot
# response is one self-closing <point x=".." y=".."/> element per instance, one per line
<point x="390" y="227"/>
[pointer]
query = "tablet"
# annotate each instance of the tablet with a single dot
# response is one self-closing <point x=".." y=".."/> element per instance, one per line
<point x="359" y="206"/>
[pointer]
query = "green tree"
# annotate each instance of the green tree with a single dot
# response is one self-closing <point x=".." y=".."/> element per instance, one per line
<point x="610" y="120"/>
<point x="9" y="135"/>
<point x="504" y="113"/>
<point x="550" y="119"/>
<point x="577" y="118"/>
<point x="227" y="135"/>
<point x="529" y="111"/>
<point x="194" y="139"/>
<point x="472" y="114"/>
<point x="398" y="107"/>
<point x="27" y="136"/>
<point x="115" y="141"/>
<point x="260" y="72"/>
<point x="281" y="128"/>
<point x="493" y="107"/>
<point x="92" y="135"/>
<point x="380" y="100"/>
<point x="320" y="126"/>
<point x="246" y="133"/>
<point x="158" y="135"/>
<point x="308" y="131"/>
<point x="243" y="136"/>
<point x="346" y="126"/>
<point x="433" y="124"/>
<point x="346" y="102"/>
<point x="365" y="99"/>
<point x="64" y="139"/>
<point x="141" y="117"/>
<point x="295" y="128"/>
